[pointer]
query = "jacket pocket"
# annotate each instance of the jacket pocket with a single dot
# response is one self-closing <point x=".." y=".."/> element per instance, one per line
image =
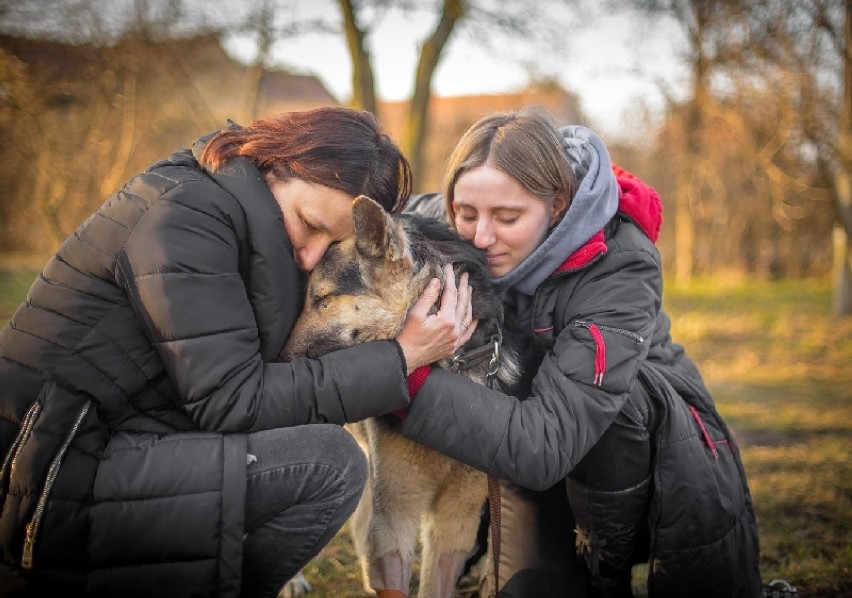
<point x="706" y="437"/>
<point x="596" y="331"/>
<point x="9" y="460"/>
<point x="33" y="527"/>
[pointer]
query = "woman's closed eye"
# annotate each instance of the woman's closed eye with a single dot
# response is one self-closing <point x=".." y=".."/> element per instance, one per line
<point x="310" y="226"/>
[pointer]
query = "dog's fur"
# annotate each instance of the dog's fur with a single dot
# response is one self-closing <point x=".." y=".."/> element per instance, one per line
<point x="360" y="291"/>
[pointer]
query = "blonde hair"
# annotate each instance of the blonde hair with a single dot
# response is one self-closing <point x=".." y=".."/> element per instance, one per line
<point x="524" y="145"/>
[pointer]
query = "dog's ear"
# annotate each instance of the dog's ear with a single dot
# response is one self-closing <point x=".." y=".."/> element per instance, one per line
<point x="376" y="234"/>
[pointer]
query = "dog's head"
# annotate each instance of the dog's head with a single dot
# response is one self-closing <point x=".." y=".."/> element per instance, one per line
<point x="362" y="288"/>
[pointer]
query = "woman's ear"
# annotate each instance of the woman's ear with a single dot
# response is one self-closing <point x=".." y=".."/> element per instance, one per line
<point x="560" y="205"/>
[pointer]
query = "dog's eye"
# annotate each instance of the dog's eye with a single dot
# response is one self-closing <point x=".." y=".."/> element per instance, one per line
<point x="321" y="301"/>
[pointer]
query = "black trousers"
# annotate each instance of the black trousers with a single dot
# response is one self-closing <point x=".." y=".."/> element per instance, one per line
<point x="303" y="484"/>
<point x="537" y="552"/>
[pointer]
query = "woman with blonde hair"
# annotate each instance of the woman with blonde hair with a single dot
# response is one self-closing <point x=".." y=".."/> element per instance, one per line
<point x="614" y="453"/>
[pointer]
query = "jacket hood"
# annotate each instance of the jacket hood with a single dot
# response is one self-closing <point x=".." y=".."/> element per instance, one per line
<point x="592" y="206"/>
<point x="639" y="202"/>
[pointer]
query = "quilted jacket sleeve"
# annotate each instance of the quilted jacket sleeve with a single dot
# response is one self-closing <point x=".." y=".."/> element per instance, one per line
<point x="180" y="267"/>
<point x="535" y="442"/>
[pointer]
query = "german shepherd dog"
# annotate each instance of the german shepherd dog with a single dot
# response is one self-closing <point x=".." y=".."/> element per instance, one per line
<point x="361" y="290"/>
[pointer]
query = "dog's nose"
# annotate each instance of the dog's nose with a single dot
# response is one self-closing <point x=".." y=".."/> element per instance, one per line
<point x="292" y="346"/>
<point x="286" y="354"/>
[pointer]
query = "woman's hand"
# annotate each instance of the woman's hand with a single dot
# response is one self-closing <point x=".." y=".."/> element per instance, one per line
<point x="426" y="338"/>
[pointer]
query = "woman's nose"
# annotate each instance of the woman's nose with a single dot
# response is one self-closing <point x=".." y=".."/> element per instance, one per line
<point x="310" y="255"/>
<point x="484" y="236"/>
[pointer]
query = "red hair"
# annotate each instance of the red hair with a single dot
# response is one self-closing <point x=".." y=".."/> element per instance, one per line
<point x="335" y="147"/>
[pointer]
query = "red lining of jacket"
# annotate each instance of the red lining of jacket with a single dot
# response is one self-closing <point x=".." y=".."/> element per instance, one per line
<point x="638" y="201"/>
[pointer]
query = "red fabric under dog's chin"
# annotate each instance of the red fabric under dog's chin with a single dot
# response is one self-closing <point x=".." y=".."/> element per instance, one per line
<point x="416" y="379"/>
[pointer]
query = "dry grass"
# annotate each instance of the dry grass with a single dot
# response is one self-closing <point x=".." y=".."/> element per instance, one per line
<point x="780" y="368"/>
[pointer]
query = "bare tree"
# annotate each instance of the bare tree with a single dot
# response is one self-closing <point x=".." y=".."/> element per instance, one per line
<point x="490" y="23"/>
<point x="92" y="108"/>
<point x="266" y="23"/>
<point x="810" y="42"/>
<point x="843" y="226"/>
<point x="363" y="80"/>
<point x="769" y="70"/>
<point x="430" y="54"/>
<point x="704" y="24"/>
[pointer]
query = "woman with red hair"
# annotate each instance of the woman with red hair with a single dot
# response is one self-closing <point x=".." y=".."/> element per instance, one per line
<point x="151" y="443"/>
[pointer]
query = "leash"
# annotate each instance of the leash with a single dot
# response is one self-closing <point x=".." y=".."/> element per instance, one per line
<point x="494" y="509"/>
<point x="494" y="506"/>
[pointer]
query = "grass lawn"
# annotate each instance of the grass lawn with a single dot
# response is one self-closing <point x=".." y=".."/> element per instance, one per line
<point x="780" y="368"/>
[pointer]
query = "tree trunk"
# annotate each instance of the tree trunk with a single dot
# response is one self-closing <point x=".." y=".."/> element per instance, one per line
<point x="694" y="121"/>
<point x="121" y="155"/>
<point x="843" y="248"/>
<point x="262" y="24"/>
<point x="418" y="112"/>
<point x="684" y="231"/>
<point x="363" y="81"/>
<point x="843" y="185"/>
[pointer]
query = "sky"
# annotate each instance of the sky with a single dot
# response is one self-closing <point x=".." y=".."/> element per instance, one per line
<point x="619" y="65"/>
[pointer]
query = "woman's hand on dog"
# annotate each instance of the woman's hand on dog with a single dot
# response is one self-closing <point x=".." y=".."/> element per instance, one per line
<point x="429" y="337"/>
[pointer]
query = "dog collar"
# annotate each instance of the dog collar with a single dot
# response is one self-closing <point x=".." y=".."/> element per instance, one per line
<point x="462" y="361"/>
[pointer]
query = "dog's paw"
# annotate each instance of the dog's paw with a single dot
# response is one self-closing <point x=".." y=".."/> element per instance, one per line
<point x="298" y="586"/>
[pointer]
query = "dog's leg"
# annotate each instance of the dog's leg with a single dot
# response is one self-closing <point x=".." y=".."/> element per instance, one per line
<point x="391" y="552"/>
<point x="359" y="527"/>
<point x="401" y="493"/>
<point x="393" y="537"/>
<point x="359" y="523"/>
<point x="450" y="533"/>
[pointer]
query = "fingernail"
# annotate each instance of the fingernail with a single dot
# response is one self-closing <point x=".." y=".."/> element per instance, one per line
<point x="435" y="283"/>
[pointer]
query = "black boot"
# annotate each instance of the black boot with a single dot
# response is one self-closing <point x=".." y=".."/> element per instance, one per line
<point x="608" y="528"/>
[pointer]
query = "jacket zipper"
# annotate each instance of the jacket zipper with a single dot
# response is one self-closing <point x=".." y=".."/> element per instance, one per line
<point x="631" y="335"/>
<point x="53" y="471"/>
<point x="600" y="345"/>
<point x="26" y="427"/>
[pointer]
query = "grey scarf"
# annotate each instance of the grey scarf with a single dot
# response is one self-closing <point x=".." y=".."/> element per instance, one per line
<point x="594" y="203"/>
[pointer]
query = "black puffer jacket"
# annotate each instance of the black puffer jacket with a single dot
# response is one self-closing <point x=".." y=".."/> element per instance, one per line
<point x="128" y="378"/>
<point x="600" y="329"/>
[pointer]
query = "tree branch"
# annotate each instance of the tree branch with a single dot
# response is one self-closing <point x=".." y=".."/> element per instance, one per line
<point x="430" y="55"/>
<point x="363" y="80"/>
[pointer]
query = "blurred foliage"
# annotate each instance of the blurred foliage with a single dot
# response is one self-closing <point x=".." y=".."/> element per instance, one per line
<point x="744" y="168"/>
